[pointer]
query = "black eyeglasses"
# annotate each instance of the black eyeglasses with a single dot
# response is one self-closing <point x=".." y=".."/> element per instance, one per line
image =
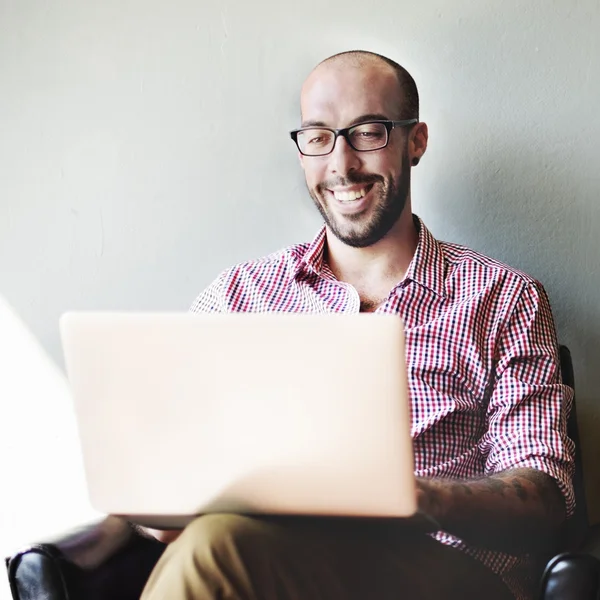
<point x="364" y="137"/>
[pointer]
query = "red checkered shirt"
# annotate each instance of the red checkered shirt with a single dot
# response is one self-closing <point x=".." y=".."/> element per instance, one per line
<point x="482" y="361"/>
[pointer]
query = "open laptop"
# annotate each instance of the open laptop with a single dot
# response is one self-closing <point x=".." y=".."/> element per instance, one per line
<point x="281" y="414"/>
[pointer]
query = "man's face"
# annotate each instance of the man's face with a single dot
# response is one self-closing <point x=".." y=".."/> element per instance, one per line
<point x="359" y="194"/>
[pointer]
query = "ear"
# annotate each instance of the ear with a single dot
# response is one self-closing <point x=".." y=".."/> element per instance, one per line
<point x="301" y="159"/>
<point x="417" y="143"/>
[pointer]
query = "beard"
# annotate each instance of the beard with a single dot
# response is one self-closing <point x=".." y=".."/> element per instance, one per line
<point x="363" y="230"/>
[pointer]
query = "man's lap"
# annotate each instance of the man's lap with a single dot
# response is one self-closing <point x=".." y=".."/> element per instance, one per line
<point x="268" y="558"/>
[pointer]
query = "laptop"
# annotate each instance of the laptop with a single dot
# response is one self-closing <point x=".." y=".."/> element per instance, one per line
<point x="183" y="414"/>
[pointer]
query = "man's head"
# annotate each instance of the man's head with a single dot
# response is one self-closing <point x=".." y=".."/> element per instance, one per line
<point x="361" y="195"/>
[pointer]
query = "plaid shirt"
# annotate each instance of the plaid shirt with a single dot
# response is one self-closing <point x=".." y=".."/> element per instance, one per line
<point x="482" y="361"/>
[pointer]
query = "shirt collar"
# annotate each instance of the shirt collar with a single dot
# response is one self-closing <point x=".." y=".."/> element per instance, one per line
<point x="427" y="267"/>
<point x="312" y="261"/>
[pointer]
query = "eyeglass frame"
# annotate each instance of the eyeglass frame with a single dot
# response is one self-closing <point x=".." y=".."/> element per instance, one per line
<point x="344" y="132"/>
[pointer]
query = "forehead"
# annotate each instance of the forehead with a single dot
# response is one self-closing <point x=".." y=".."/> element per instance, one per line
<point x="336" y="95"/>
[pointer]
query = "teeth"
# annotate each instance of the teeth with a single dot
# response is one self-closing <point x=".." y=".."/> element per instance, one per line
<point x="349" y="196"/>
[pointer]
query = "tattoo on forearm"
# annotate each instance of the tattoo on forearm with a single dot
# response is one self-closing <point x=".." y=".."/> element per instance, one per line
<point x="548" y="491"/>
<point x="519" y="506"/>
<point x="466" y="489"/>
<point x="519" y="489"/>
<point x="499" y="486"/>
<point x="526" y="485"/>
<point x="530" y="491"/>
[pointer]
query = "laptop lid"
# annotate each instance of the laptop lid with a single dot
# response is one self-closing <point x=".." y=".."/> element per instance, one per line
<point x="181" y="414"/>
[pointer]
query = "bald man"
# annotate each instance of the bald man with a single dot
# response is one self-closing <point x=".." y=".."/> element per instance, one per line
<point x="492" y="458"/>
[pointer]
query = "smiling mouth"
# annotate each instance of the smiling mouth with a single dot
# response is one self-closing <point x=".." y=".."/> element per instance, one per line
<point x="351" y="195"/>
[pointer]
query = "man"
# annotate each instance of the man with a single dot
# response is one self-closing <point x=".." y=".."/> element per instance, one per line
<point x="492" y="458"/>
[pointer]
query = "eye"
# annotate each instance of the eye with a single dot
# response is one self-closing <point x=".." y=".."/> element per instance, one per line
<point x="316" y="139"/>
<point x="368" y="134"/>
<point x="369" y="131"/>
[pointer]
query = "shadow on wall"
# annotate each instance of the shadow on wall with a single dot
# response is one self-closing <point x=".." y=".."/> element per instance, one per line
<point x="536" y="214"/>
<point x="43" y="473"/>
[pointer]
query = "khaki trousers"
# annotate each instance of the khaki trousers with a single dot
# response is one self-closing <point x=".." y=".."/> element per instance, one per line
<point x="229" y="557"/>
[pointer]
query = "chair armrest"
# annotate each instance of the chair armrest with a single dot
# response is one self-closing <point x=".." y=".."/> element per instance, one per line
<point x="574" y="575"/>
<point x="591" y="544"/>
<point x="102" y="560"/>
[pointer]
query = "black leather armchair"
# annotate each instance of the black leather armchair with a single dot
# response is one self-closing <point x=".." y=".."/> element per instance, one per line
<point x="575" y="573"/>
<point x="109" y="560"/>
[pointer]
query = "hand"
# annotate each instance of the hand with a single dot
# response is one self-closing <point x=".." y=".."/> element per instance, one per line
<point x="430" y="499"/>
<point x="166" y="536"/>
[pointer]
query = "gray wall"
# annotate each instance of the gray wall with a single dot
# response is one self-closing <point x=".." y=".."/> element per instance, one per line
<point x="128" y="177"/>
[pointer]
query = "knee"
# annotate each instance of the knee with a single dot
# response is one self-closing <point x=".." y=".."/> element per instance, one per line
<point x="219" y="534"/>
<point x="214" y="556"/>
<point x="215" y="526"/>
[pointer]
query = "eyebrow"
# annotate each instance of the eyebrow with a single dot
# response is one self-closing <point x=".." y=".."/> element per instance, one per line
<point x="361" y="119"/>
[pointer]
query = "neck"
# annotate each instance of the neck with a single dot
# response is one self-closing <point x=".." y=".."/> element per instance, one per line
<point x="380" y="266"/>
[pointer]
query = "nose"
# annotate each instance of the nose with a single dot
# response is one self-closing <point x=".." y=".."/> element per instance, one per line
<point x="344" y="159"/>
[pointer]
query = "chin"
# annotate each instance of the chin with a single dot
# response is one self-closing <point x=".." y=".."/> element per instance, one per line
<point x="357" y="237"/>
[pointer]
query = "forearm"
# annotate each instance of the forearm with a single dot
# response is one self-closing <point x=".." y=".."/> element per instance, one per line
<point x="515" y="511"/>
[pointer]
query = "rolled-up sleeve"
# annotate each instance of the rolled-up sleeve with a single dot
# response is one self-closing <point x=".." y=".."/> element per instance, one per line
<point x="529" y="404"/>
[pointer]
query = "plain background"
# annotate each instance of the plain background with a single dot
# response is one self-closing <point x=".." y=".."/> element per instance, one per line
<point x="144" y="148"/>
